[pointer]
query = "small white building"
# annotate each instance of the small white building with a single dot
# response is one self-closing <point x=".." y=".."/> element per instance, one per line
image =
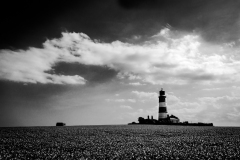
<point x="174" y="120"/>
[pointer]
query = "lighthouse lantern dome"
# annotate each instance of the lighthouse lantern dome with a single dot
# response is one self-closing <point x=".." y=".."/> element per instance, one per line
<point x="162" y="92"/>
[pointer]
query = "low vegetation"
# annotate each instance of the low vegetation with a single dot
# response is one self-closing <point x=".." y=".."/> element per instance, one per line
<point x="120" y="142"/>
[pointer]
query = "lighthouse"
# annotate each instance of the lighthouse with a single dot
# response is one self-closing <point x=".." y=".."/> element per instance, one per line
<point x="162" y="113"/>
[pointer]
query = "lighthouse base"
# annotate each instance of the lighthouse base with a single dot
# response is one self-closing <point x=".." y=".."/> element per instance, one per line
<point x="162" y="116"/>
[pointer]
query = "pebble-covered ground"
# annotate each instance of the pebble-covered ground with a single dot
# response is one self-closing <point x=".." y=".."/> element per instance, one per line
<point x="120" y="142"/>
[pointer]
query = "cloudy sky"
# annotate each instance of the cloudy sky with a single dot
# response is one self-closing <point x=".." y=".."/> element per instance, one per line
<point x="103" y="62"/>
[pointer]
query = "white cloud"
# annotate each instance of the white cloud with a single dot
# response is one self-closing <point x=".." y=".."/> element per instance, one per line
<point x="172" y="99"/>
<point x="62" y="79"/>
<point x="163" y="33"/>
<point x="136" y="84"/>
<point x="167" y="57"/>
<point x="32" y="65"/>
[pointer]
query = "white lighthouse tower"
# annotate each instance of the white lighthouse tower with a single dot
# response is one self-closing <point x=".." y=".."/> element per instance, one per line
<point x="162" y="113"/>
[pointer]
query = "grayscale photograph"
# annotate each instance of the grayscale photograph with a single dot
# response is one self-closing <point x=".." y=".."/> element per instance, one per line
<point x="119" y="79"/>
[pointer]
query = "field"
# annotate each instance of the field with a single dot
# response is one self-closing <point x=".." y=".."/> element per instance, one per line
<point x="120" y="142"/>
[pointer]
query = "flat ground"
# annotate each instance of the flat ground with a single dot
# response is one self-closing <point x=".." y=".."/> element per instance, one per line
<point x="120" y="142"/>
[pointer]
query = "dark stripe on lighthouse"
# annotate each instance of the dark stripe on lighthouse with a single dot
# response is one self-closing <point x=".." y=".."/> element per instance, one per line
<point x="162" y="98"/>
<point x="162" y="93"/>
<point x="162" y="110"/>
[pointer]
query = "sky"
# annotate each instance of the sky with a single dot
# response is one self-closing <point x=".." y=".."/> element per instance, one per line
<point x="93" y="62"/>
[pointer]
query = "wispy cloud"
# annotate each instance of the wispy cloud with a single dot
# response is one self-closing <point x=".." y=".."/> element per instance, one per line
<point x="136" y="84"/>
<point x="208" y="109"/>
<point x="125" y="107"/>
<point x="149" y="95"/>
<point x="128" y="75"/>
<point x="121" y="100"/>
<point x="211" y="89"/>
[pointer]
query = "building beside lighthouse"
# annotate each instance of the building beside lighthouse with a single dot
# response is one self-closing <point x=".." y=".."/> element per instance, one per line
<point x="162" y="112"/>
<point x="163" y="117"/>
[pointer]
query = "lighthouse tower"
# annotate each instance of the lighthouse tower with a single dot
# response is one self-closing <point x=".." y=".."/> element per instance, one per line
<point x="162" y="113"/>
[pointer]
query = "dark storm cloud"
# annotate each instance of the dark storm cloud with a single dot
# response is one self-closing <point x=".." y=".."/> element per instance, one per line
<point x="92" y="73"/>
<point x="216" y="20"/>
<point x="149" y="4"/>
<point x="28" y="23"/>
<point x="199" y="75"/>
